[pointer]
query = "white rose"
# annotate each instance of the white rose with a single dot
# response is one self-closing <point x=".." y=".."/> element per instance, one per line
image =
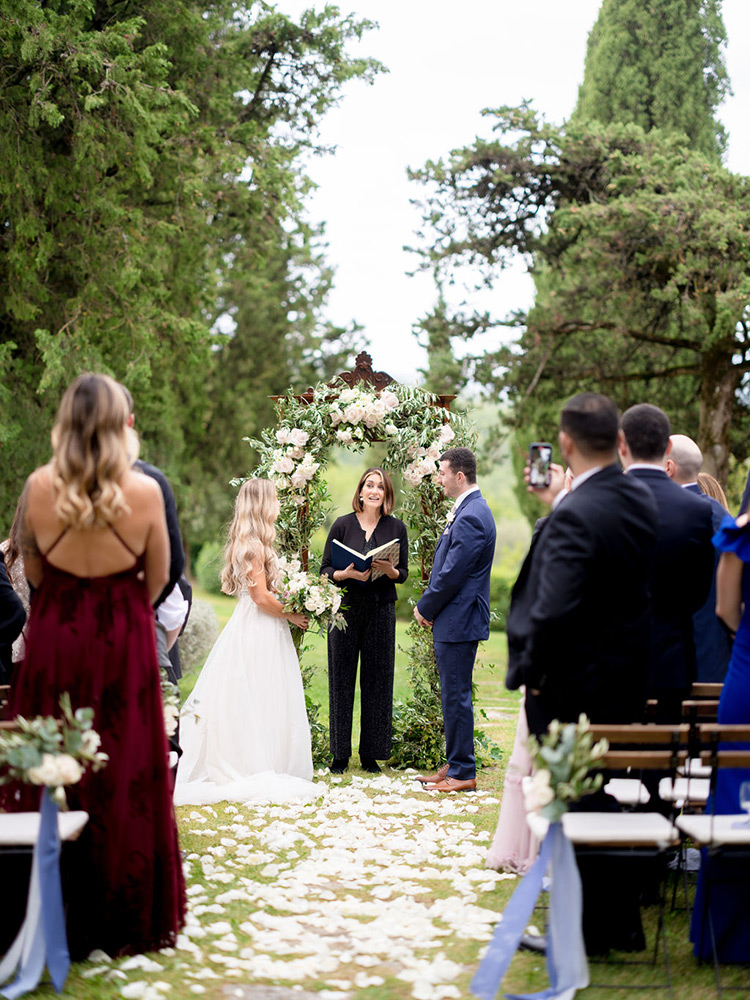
<point x="537" y="791"/>
<point x="298" y="479"/>
<point x="433" y="451"/>
<point x="446" y="434"/>
<point x="282" y="482"/>
<point x="336" y="602"/>
<point x="347" y="395"/>
<point x="44" y="773"/>
<point x="283" y="464"/>
<point x="336" y="417"/>
<point x="69" y="771"/>
<point x="358" y="433"/>
<point x="412" y="477"/>
<point x="282" y="435"/>
<point x="345" y="437"/>
<point x="353" y="413"/>
<point x="171" y="715"/>
<point x="91" y="741"/>
<point x="300" y="501"/>
<point x="298" y="437"/>
<point x="296" y="452"/>
<point x="389" y="399"/>
<point x="391" y="429"/>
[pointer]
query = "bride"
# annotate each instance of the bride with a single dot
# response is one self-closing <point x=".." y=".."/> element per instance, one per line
<point x="244" y="729"/>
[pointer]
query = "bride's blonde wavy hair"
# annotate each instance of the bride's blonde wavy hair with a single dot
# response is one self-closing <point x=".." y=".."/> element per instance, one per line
<point x="92" y="450"/>
<point x="251" y="537"/>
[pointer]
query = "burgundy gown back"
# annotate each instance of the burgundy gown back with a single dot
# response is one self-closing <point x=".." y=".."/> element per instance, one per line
<point x="94" y="638"/>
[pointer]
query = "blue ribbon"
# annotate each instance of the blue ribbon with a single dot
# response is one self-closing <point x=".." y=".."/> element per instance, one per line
<point x="42" y="939"/>
<point x="567" y="967"/>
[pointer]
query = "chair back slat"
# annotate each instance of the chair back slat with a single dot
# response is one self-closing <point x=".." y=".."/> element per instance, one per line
<point x="726" y="758"/>
<point x="703" y="689"/>
<point x="642" y="734"/>
<point x="642" y="760"/>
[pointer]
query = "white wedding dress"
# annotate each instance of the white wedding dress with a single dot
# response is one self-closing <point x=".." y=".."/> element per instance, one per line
<point x="244" y="729"/>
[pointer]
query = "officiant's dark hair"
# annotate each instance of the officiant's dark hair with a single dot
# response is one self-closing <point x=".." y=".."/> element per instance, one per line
<point x="592" y="421"/>
<point x="389" y="500"/>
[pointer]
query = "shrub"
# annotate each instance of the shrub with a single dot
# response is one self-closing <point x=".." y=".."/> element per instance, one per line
<point x="199" y="636"/>
<point x="501" y="584"/>
<point x="208" y="567"/>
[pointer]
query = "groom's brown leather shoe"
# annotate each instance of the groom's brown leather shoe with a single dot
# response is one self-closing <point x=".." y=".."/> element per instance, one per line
<point x="430" y="779"/>
<point x="449" y="784"/>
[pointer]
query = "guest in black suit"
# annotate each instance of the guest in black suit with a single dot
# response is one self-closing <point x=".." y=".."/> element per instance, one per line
<point x="579" y="626"/>
<point x="579" y="621"/>
<point x="713" y="644"/>
<point x="683" y="558"/>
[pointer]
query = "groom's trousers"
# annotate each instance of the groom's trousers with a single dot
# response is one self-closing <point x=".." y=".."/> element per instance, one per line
<point x="455" y="663"/>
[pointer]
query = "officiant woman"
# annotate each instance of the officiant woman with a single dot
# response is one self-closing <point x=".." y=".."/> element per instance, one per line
<point x="370" y="634"/>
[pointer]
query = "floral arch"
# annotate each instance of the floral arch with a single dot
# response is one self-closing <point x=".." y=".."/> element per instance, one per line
<point x="354" y="410"/>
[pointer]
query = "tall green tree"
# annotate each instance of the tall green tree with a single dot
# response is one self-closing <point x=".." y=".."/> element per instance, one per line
<point x="658" y="65"/>
<point x="150" y="170"/>
<point x="641" y="251"/>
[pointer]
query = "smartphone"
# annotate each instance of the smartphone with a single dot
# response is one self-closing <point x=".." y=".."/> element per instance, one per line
<point x="540" y="456"/>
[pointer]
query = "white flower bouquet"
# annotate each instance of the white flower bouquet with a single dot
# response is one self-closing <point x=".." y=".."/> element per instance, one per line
<point x="562" y="761"/>
<point x="52" y="752"/>
<point x="309" y="594"/>
<point x="170" y="701"/>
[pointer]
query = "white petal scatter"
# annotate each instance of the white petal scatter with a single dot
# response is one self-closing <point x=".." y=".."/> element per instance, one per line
<point x="375" y="880"/>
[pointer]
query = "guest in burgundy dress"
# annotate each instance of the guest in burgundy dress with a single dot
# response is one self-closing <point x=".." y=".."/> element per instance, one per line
<point x="95" y="547"/>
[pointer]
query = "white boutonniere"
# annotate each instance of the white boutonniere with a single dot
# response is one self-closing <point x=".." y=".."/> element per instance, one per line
<point x="451" y="515"/>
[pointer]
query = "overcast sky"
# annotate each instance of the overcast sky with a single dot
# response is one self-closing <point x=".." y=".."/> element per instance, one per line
<point x="447" y="62"/>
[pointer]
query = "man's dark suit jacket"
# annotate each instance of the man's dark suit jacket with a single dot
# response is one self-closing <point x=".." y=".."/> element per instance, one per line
<point x="457" y="598"/>
<point x="12" y="619"/>
<point x="683" y="569"/>
<point x="176" y="552"/>
<point x="713" y="644"/>
<point x="579" y="621"/>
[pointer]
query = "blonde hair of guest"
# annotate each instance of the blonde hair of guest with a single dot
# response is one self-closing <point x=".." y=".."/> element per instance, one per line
<point x="93" y="448"/>
<point x="713" y="488"/>
<point x="251" y="537"/>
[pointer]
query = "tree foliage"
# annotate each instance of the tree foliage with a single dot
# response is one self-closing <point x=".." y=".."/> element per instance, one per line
<point x="151" y="182"/>
<point x="640" y="251"/>
<point x="659" y="65"/>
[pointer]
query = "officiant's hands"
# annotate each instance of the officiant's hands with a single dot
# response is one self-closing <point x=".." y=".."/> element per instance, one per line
<point x="387" y="567"/>
<point x="350" y="573"/>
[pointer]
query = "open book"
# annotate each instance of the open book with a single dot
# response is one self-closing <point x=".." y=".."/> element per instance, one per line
<point x="342" y="556"/>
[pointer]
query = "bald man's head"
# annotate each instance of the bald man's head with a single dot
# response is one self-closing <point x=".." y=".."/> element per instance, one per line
<point x="686" y="459"/>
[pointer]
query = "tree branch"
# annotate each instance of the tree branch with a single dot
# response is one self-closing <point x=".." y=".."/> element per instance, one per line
<point x="581" y="326"/>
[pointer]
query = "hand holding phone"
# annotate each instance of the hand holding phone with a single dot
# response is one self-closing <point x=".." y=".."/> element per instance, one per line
<point x="540" y="458"/>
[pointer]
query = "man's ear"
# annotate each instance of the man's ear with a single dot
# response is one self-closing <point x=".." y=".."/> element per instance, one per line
<point x="670" y="468"/>
<point x="131" y="420"/>
<point x="622" y="444"/>
<point x="566" y="444"/>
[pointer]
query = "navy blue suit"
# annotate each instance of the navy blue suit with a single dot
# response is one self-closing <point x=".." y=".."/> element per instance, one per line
<point x="457" y="601"/>
<point x="713" y="645"/>
<point x="12" y="620"/>
<point x="683" y="569"/>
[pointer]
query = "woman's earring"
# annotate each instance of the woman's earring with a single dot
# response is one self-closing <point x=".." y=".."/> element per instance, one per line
<point x="361" y="498"/>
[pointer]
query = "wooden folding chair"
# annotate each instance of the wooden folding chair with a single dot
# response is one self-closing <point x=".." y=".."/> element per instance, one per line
<point x="703" y="689"/>
<point x="722" y="836"/>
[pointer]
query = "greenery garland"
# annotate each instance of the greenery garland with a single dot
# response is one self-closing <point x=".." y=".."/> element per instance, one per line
<point x="416" y="430"/>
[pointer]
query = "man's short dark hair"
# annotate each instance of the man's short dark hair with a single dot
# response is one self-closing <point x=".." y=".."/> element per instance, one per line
<point x="592" y="421"/>
<point x="461" y="460"/>
<point x="646" y="429"/>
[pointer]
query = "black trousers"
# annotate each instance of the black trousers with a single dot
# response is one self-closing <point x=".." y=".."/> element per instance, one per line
<point x="370" y="638"/>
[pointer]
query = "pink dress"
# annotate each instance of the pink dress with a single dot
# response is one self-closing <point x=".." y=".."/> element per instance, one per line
<point x="514" y="847"/>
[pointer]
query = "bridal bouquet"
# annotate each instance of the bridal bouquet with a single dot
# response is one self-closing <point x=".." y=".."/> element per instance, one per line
<point x="562" y="760"/>
<point x="309" y="594"/>
<point x="52" y="752"/>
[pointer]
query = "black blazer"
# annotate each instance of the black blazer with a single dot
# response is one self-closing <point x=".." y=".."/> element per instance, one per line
<point x="176" y="552"/>
<point x="12" y="620"/>
<point x="349" y="531"/>
<point x="579" y="621"/>
<point x="683" y="570"/>
<point x="713" y="643"/>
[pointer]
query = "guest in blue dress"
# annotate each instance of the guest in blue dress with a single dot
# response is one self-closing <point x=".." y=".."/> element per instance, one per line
<point x="728" y="890"/>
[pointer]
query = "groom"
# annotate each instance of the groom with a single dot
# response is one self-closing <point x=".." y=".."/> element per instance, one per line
<point x="456" y="605"/>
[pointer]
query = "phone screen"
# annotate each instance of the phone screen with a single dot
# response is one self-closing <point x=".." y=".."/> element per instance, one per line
<point x="540" y="456"/>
